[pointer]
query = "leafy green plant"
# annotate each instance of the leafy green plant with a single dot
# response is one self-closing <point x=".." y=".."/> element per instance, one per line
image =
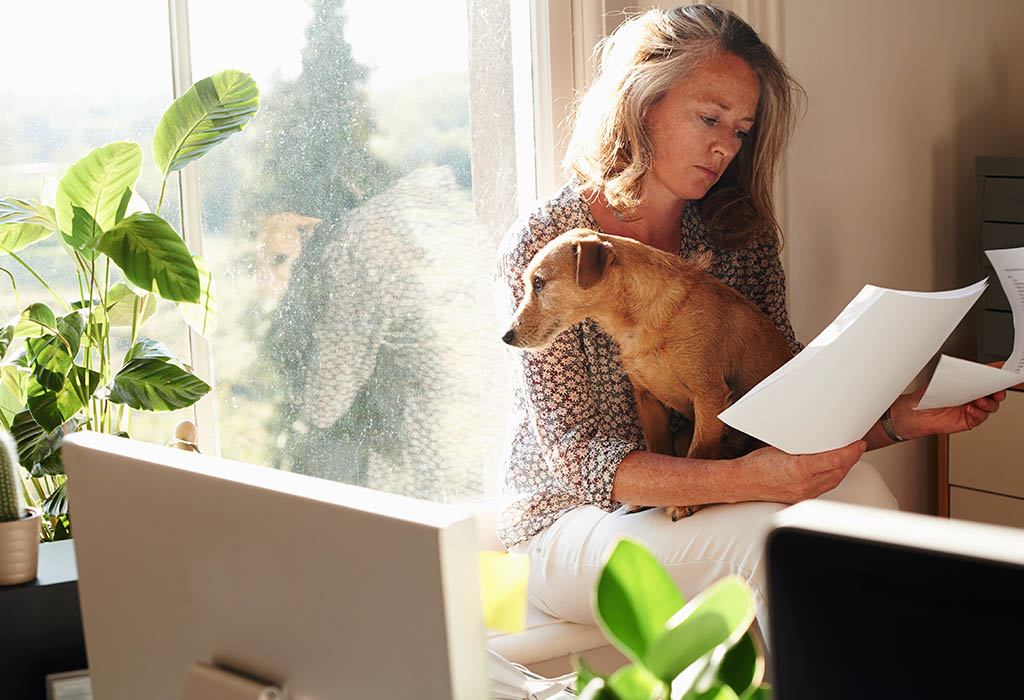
<point x="701" y="650"/>
<point x="71" y="371"/>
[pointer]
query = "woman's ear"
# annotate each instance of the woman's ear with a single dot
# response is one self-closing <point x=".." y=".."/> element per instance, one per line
<point x="592" y="259"/>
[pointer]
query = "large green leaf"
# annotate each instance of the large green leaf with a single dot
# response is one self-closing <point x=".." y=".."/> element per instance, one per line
<point x="35" y="321"/>
<point x="122" y="303"/>
<point x="23" y="222"/>
<point x="51" y="356"/>
<point x="52" y="408"/>
<point x="6" y="336"/>
<point x="209" y="112"/>
<point x="36" y="445"/>
<point x="596" y="689"/>
<point x="719" y="615"/>
<point x="56" y="504"/>
<point x="718" y="692"/>
<point x="635" y="598"/>
<point x="202" y="316"/>
<point x="153" y="380"/>
<point x="153" y="256"/>
<point x="94" y="192"/>
<point x="13" y="390"/>
<point x="584" y="673"/>
<point x="742" y="669"/>
<point x="634" y="682"/>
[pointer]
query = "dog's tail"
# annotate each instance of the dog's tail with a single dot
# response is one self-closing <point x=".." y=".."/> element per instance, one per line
<point x="702" y="260"/>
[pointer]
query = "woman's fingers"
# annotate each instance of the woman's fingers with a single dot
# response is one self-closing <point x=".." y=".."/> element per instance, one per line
<point x="842" y="458"/>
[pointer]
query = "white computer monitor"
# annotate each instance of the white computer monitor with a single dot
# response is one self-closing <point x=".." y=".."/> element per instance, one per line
<point x="325" y="589"/>
<point x="870" y="603"/>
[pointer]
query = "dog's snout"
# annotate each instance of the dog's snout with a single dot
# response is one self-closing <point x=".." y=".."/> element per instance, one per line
<point x="509" y="337"/>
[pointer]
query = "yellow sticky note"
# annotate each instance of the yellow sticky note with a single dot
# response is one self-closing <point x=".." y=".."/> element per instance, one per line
<point x="503" y="579"/>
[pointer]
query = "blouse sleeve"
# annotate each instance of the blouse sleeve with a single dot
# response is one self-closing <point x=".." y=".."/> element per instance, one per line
<point x="580" y="412"/>
<point x="773" y="298"/>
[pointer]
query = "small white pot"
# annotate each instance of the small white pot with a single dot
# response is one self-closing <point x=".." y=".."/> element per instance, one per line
<point x="19" y="549"/>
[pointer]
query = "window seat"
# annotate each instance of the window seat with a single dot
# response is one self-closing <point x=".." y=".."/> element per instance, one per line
<point x="548" y="644"/>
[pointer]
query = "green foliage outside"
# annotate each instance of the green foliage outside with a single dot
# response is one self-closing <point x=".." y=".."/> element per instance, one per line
<point x="316" y="160"/>
<point x="701" y="650"/>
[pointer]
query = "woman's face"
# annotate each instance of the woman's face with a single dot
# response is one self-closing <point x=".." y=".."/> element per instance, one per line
<point x="697" y="128"/>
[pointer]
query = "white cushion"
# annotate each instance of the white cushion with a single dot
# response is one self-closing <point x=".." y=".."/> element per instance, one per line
<point x="545" y="638"/>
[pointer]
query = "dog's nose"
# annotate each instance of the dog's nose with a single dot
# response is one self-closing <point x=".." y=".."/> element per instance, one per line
<point x="509" y="337"/>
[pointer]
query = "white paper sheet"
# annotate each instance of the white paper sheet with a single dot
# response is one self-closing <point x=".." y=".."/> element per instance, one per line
<point x="1009" y="266"/>
<point x="957" y="381"/>
<point x="832" y="392"/>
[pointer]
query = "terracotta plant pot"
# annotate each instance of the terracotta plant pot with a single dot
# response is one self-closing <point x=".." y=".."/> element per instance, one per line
<point x="19" y="549"/>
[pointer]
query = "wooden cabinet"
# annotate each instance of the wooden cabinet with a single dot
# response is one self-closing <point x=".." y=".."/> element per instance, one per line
<point x="1001" y="204"/>
<point x="981" y="472"/>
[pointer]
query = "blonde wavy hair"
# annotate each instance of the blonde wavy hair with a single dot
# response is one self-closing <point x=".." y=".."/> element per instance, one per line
<point x="610" y="151"/>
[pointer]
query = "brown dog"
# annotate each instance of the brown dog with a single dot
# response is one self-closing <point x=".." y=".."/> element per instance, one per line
<point x="688" y="341"/>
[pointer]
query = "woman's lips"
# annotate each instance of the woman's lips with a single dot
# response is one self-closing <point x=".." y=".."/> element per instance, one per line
<point x="713" y="174"/>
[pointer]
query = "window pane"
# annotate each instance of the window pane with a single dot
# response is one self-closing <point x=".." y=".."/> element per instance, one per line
<point x="101" y="75"/>
<point x="353" y="280"/>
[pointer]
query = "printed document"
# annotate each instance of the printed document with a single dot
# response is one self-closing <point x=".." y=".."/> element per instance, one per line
<point x="957" y="381"/>
<point x="832" y="392"/>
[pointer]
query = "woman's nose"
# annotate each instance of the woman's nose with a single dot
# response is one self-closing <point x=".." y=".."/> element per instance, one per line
<point x="724" y="147"/>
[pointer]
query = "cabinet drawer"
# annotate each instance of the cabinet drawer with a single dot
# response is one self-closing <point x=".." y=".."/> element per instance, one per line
<point x="997" y="334"/>
<point x="995" y="297"/>
<point x="991" y="457"/>
<point x="995" y="236"/>
<point x="1004" y="199"/>
<point x="965" y="504"/>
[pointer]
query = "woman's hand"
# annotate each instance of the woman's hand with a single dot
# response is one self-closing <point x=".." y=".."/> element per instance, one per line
<point x="774" y="475"/>
<point x="909" y="423"/>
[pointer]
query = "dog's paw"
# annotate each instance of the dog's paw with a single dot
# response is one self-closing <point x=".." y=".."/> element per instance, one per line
<point x="677" y="512"/>
<point x="636" y="509"/>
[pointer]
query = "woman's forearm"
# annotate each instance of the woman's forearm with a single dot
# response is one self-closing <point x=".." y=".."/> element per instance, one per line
<point x="767" y="474"/>
<point x="651" y="479"/>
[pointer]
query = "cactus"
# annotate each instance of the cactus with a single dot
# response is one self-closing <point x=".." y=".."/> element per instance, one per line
<point x="12" y="503"/>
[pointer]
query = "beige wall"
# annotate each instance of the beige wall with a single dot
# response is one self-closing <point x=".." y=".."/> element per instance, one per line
<point x="880" y="188"/>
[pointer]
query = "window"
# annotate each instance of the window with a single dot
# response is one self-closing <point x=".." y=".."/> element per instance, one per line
<point x="351" y="228"/>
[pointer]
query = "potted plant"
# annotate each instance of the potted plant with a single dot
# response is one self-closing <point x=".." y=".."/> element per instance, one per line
<point x="63" y="367"/>
<point x="19" y="525"/>
<point x="701" y="650"/>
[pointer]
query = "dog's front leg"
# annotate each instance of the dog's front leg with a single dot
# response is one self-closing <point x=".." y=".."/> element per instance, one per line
<point x="656" y="425"/>
<point x="655" y="422"/>
<point x="707" y="428"/>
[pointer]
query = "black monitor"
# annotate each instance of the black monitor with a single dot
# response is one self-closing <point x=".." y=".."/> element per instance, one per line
<point x="869" y="604"/>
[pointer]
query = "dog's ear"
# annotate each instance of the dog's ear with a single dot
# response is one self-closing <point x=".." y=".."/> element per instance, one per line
<point x="592" y="258"/>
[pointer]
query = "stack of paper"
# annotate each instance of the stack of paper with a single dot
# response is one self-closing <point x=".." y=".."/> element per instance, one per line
<point x="831" y="393"/>
<point x="958" y="381"/>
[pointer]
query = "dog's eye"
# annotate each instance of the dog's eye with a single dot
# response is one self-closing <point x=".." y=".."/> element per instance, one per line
<point x="538" y="284"/>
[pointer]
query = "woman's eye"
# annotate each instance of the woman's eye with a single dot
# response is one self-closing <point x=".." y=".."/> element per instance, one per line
<point x="710" y="121"/>
<point x="743" y="135"/>
<point x="538" y="284"/>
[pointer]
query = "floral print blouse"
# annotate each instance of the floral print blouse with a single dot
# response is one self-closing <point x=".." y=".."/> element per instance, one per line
<point x="573" y="416"/>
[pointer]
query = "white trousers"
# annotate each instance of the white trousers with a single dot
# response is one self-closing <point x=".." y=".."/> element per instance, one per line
<point x="566" y="558"/>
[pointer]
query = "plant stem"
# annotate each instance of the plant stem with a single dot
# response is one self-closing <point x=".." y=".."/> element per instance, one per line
<point x="160" y="202"/>
<point x="14" y="286"/>
<point x="41" y="280"/>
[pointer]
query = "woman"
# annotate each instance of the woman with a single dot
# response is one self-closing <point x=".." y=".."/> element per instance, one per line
<point x="676" y="145"/>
